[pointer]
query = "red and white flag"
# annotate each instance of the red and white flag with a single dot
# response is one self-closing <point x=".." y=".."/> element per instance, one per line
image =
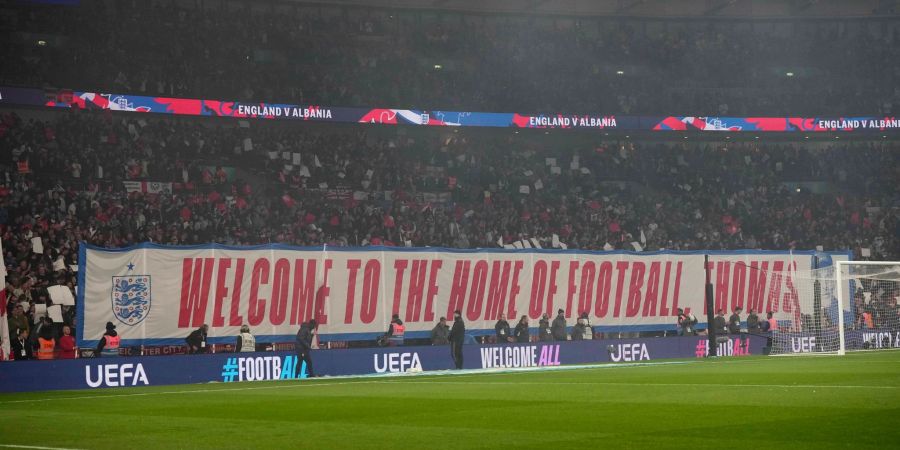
<point x="4" y="325"/>
<point x="150" y="187"/>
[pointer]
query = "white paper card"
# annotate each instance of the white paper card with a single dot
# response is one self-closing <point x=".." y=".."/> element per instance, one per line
<point x="37" y="246"/>
<point x="55" y="313"/>
<point x="61" y="295"/>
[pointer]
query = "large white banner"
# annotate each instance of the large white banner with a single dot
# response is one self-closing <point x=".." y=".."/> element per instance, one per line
<point x="158" y="294"/>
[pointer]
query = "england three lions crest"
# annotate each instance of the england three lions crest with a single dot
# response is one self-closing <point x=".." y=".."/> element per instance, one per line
<point x="131" y="298"/>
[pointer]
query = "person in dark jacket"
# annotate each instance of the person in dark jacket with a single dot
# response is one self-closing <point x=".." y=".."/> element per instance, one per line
<point x="501" y="329"/>
<point x="686" y="323"/>
<point x="578" y="330"/>
<point x="719" y="323"/>
<point x="108" y="347"/>
<point x="304" y="348"/>
<point x="440" y="334"/>
<point x="21" y="348"/>
<point x="521" y="332"/>
<point x="582" y="330"/>
<point x="196" y="341"/>
<point x="457" y="337"/>
<point x="559" y="326"/>
<point x="734" y="322"/>
<point x="752" y="322"/>
<point x="544" y="333"/>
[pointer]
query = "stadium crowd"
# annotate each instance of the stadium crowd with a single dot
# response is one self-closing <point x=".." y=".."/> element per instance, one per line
<point x="357" y="56"/>
<point x="75" y="176"/>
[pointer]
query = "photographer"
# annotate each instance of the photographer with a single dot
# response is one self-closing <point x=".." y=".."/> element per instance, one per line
<point x="246" y="342"/>
<point x="501" y="329"/>
<point x="734" y="322"/>
<point x="196" y="341"/>
<point x="521" y="332"/>
<point x="544" y="334"/>
<point x="440" y="334"/>
<point x="686" y="323"/>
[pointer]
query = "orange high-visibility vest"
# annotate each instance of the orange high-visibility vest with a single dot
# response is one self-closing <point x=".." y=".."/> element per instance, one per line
<point x="867" y="318"/>
<point x="45" y="348"/>
<point x="112" y="346"/>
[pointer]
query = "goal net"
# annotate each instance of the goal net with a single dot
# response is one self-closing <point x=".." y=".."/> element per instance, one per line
<point x="851" y="305"/>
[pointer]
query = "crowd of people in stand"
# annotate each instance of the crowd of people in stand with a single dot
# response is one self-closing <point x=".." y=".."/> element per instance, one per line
<point x="115" y="180"/>
<point x="358" y="56"/>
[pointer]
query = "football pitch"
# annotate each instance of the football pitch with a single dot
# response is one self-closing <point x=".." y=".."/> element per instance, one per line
<point x="749" y="402"/>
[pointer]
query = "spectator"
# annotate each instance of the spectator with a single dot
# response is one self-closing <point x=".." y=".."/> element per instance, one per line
<point x="21" y="348"/>
<point x="440" y="334"/>
<point x="521" y="332"/>
<point x="67" y="346"/>
<point x="559" y="326"/>
<point x="18" y="321"/>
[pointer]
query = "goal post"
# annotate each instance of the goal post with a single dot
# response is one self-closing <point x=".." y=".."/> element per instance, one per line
<point x="839" y="294"/>
<point x="844" y="306"/>
<point x="869" y="292"/>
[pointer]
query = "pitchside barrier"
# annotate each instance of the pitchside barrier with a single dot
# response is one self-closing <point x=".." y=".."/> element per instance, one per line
<point x="156" y="295"/>
<point x="90" y="373"/>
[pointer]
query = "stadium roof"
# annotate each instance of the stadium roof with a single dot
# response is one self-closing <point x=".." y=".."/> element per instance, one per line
<point x="650" y="8"/>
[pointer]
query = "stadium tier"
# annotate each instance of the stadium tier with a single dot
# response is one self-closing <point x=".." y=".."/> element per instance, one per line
<point x="347" y="55"/>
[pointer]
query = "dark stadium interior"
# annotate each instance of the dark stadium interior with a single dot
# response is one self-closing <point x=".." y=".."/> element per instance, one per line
<point x="347" y="55"/>
<point x="359" y="185"/>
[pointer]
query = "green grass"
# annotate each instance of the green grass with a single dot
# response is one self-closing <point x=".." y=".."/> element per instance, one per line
<point x="775" y="402"/>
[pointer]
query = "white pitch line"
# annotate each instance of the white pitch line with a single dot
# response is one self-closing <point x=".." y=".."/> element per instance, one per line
<point x="197" y="391"/>
<point x="602" y="383"/>
<point x="36" y="447"/>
